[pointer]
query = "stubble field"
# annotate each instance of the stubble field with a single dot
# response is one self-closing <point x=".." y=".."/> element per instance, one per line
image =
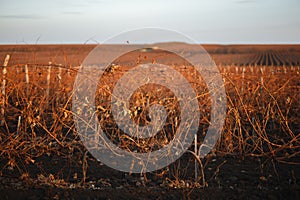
<point x="257" y="155"/>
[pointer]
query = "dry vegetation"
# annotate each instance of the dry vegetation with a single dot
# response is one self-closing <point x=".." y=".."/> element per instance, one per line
<point x="37" y="128"/>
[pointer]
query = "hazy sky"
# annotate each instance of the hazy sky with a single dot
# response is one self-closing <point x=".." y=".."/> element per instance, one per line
<point x="207" y="21"/>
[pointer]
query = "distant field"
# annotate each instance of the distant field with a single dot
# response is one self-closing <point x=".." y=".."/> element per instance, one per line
<point x="73" y="55"/>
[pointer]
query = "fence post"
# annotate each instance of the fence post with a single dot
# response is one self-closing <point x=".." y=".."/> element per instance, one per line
<point x="196" y="153"/>
<point x="48" y="79"/>
<point x="261" y="79"/>
<point x="59" y="75"/>
<point x="243" y="77"/>
<point x="4" y="72"/>
<point x="26" y="78"/>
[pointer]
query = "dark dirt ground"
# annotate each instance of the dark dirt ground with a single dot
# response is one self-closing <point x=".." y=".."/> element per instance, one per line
<point x="226" y="177"/>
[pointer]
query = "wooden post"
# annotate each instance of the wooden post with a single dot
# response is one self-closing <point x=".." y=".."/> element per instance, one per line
<point x="261" y="80"/>
<point x="26" y="79"/>
<point x="243" y="77"/>
<point x="59" y="75"/>
<point x="26" y="74"/>
<point x="48" y="79"/>
<point x="196" y="153"/>
<point x="59" y="85"/>
<point x="4" y="72"/>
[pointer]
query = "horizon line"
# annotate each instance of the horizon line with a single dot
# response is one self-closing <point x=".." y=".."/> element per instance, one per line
<point x="208" y="43"/>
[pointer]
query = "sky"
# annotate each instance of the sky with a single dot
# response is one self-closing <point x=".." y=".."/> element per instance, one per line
<point x="94" y="21"/>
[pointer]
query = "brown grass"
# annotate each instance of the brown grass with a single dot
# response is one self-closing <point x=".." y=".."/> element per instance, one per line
<point x="262" y="115"/>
